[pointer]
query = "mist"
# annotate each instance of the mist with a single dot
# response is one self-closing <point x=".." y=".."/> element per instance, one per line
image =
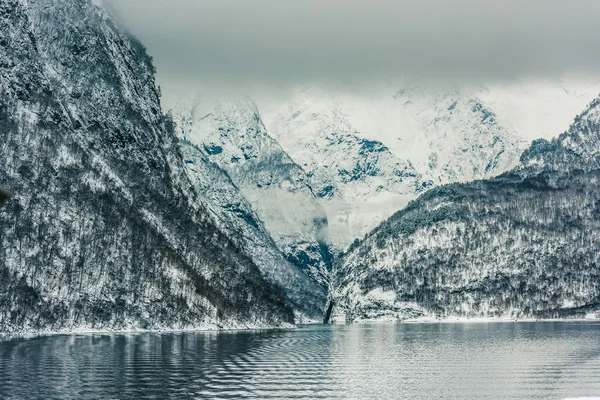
<point x="267" y="41"/>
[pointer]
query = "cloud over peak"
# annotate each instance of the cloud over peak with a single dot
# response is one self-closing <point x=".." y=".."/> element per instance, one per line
<point x="270" y="40"/>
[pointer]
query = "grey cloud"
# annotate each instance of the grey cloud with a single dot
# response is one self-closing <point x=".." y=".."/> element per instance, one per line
<point x="283" y="40"/>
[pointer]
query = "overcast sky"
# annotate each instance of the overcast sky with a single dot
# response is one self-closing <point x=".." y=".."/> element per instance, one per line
<point x="239" y="41"/>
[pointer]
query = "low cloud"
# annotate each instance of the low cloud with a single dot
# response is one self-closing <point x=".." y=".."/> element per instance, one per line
<point x="238" y="42"/>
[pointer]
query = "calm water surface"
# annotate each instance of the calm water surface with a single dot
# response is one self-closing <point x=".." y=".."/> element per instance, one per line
<point x="548" y="360"/>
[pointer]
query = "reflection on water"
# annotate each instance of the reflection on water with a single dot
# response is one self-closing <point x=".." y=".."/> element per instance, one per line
<point x="385" y="361"/>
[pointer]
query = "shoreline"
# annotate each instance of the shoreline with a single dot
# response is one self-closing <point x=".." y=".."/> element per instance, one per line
<point x="415" y="321"/>
<point x="467" y="320"/>
<point x="86" y="331"/>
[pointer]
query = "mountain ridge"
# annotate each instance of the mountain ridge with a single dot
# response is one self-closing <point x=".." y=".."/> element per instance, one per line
<point x="522" y="244"/>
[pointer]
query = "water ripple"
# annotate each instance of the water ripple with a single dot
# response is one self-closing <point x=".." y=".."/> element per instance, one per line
<point x="391" y="361"/>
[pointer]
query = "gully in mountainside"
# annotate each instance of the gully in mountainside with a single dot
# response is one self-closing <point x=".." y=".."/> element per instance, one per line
<point x="5" y="195"/>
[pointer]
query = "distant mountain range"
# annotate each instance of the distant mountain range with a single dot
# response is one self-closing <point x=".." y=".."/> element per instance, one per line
<point x="366" y="155"/>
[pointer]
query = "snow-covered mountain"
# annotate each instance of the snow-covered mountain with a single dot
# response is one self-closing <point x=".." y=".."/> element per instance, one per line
<point x="236" y="217"/>
<point x="524" y="244"/>
<point x="105" y="229"/>
<point x="233" y="136"/>
<point x="358" y="180"/>
<point x="368" y="152"/>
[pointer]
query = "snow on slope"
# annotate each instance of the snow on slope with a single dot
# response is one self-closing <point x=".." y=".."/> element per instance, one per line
<point x="105" y="230"/>
<point x="358" y="180"/>
<point x="523" y="244"/>
<point x="422" y="136"/>
<point x="368" y="151"/>
<point x="236" y="217"/>
<point x="233" y="136"/>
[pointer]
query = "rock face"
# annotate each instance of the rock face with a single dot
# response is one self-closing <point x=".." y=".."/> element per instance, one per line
<point x="233" y="136"/>
<point x="105" y="229"/>
<point x="524" y="244"/>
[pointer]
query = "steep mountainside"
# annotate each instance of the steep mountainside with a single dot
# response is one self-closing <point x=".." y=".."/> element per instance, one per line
<point x="233" y="136"/>
<point x="105" y="229"/>
<point x="524" y="244"/>
<point x="236" y="217"/>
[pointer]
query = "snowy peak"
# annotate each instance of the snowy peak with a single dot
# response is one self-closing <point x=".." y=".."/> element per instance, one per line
<point x="232" y="134"/>
<point x="465" y="138"/>
<point x="234" y="137"/>
<point x="347" y="171"/>
<point x="235" y="123"/>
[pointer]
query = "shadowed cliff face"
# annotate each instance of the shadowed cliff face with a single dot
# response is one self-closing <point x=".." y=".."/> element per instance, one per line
<point x="105" y="230"/>
<point x="524" y="244"/>
<point x="5" y="195"/>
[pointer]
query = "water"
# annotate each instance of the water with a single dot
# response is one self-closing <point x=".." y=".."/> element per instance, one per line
<point x="548" y="360"/>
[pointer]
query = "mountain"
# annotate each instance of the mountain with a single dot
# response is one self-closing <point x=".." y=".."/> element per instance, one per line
<point x="236" y="217"/>
<point x="232" y="135"/>
<point x="105" y="229"/>
<point x="357" y="180"/>
<point x="369" y="151"/>
<point x="523" y="244"/>
<point x="465" y="139"/>
<point x="364" y="154"/>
